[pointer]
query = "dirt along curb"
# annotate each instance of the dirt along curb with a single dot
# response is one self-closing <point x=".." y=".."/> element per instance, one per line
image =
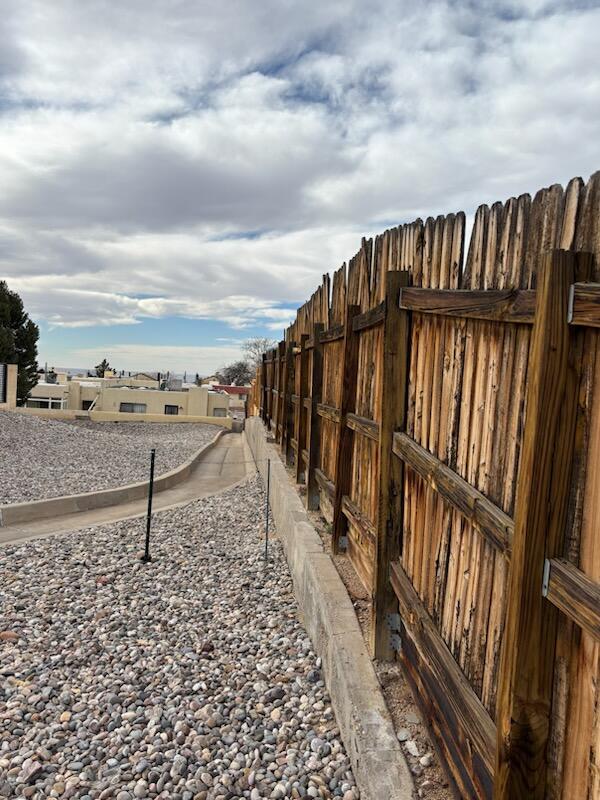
<point x="14" y="513"/>
<point x="329" y="618"/>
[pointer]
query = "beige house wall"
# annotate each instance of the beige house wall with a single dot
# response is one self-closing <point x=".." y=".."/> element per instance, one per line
<point x="11" y="388"/>
<point x="196" y="402"/>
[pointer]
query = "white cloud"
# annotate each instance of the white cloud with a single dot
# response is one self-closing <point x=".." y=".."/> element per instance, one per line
<point x="213" y="160"/>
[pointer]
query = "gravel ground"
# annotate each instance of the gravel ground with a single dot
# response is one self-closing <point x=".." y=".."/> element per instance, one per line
<point x="46" y="458"/>
<point x="189" y="678"/>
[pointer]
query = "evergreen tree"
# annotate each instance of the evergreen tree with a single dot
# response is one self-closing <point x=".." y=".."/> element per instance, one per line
<point x="101" y="368"/>
<point x="18" y="341"/>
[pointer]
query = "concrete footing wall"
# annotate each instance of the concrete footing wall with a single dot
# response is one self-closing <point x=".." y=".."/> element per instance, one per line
<point x="329" y="618"/>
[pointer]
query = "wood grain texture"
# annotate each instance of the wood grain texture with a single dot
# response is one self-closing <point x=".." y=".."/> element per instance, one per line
<point x="366" y="427"/>
<point x="369" y="319"/>
<point x="388" y="545"/>
<point x="313" y="435"/>
<point x="524" y="696"/>
<point x="344" y="450"/>
<point x="584" y="305"/>
<point x="463" y="722"/>
<point x="508" y="305"/>
<point x="490" y="520"/>
<point x="300" y="410"/>
<point x="576" y="595"/>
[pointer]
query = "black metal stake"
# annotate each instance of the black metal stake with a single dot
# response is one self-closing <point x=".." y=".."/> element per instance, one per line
<point x="267" y="512"/>
<point x="146" y="557"/>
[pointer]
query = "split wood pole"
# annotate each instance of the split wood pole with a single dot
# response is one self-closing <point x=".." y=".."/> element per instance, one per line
<point x="313" y="435"/>
<point x="343" y="473"/>
<point x="394" y="392"/>
<point x="284" y="383"/>
<point x="279" y="411"/>
<point x="269" y="392"/>
<point x="300" y="418"/>
<point x="527" y="659"/>
<point x="288" y="384"/>
<point x="263" y="388"/>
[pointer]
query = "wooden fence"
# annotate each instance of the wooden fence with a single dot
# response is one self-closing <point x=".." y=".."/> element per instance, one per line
<point x="445" y="418"/>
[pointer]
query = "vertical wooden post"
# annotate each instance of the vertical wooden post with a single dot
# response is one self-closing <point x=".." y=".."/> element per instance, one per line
<point x="300" y="419"/>
<point x="343" y="473"/>
<point x="527" y="659"/>
<point x="288" y="382"/>
<point x="263" y="388"/>
<point x="270" y="373"/>
<point x="313" y="435"/>
<point x="393" y="392"/>
<point x="280" y="367"/>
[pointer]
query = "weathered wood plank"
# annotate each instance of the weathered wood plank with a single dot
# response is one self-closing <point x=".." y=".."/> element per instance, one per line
<point x="370" y="318"/>
<point x="344" y="451"/>
<point x="576" y="595"/>
<point x="353" y="513"/>
<point x="491" y="521"/>
<point x="324" y="483"/>
<point x="287" y="416"/>
<point x="313" y="436"/>
<point x="388" y="545"/>
<point x="279" y="404"/>
<point x="300" y="417"/>
<point x="328" y="412"/>
<point x="500" y="305"/>
<point x="584" y="304"/>
<point x="364" y="426"/>
<point x="332" y="334"/>
<point x="526" y="666"/>
<point x="456" y="710"/>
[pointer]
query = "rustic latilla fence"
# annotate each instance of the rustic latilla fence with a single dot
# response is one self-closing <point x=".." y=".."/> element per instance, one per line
<point x="445" y="418"/>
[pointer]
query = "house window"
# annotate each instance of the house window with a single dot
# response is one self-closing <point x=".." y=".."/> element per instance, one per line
<point x="219" y="412"/>
<point x="38" y="403"/>
<point x="133" y="408"/>
<point x="171" y="409"/>
<point x="85" y="405"/>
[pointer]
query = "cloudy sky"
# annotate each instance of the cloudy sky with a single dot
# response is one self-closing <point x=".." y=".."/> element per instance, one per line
<point x="176" y="175"/>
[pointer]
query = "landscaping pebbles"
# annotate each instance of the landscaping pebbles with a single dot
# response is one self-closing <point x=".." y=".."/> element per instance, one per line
<point x="45" y="458"/>
<point x="189" y="678"/>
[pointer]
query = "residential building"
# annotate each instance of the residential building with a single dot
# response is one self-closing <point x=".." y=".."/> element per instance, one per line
<point x="128" y="395"/>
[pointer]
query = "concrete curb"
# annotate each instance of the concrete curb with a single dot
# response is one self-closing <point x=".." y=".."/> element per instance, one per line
<point x="71" y="504"/>
<point x="362" y="715"/>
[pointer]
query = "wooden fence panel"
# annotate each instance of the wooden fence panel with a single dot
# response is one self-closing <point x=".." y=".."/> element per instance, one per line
<point x="459" y="451"/>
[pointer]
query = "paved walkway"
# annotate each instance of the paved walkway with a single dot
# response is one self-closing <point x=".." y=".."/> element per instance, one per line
<point x="227" y="463"/>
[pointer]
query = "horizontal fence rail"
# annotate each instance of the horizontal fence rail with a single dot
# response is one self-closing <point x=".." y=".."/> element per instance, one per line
<point x="443" y="412"/>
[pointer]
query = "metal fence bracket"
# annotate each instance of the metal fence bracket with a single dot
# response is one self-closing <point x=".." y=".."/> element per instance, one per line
<point x="546" y="577"/>
<point x="393" y="622"/>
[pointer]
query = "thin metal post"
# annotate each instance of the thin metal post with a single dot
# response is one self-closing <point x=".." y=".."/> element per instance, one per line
<point x="267" y="512"/>
<point x="146" y="557"/>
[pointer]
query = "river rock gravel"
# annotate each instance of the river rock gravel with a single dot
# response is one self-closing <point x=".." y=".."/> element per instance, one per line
<point x="42" y="458"/>
<point x="189" y="678"/>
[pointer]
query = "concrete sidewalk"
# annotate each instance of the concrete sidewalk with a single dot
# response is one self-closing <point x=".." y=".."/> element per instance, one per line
<point x="229" y="462"/>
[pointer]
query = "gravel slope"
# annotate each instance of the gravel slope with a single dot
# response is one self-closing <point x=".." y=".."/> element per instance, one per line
<point x="45" y="458"/>
<point x="189" y="678"/>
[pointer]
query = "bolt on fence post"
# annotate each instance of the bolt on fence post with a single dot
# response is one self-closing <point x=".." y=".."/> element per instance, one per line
<point x="146" y="557"/>
<point x="267" y="512"/>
